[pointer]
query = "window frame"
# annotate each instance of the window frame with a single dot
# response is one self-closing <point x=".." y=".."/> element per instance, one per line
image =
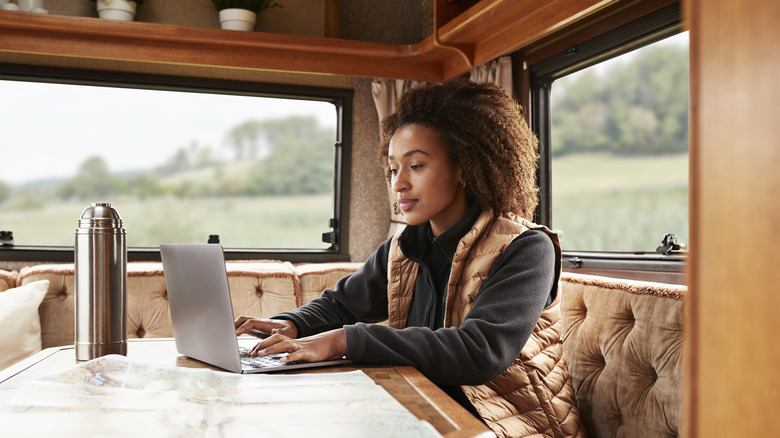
<point x="341" y="98"/>
<point x="579" y="54"/>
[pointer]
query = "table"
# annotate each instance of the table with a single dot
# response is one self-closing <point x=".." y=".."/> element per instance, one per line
<point x="407" y="385"/>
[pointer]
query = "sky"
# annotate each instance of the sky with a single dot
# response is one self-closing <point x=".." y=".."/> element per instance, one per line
<point x="48" y="130"/>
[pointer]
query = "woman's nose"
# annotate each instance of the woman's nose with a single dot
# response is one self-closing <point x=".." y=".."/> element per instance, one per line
<point x="399" y="182"/>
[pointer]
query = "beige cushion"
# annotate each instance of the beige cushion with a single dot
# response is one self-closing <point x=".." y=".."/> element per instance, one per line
<point x="262" y="289"/>
<point x="623" y="343"/>
<point x="56" y="311"/>
<point x="148" y="315"/>
<point x="7" y="279"/>
<point x="20" y="326"/>
<point x="316" y="277"/>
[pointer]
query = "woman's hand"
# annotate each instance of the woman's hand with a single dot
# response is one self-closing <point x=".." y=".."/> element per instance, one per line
<point x="263" y="328"/>
<point x="322" y="346"/>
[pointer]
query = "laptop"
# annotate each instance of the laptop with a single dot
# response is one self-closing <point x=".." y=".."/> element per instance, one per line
<point x="202" y="312"/>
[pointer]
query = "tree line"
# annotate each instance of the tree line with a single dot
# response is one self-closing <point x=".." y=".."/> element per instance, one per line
<point x="637" y="107"/>
<point x="290" y="156"/>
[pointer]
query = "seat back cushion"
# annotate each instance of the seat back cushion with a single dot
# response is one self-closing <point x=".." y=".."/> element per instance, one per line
<point x="263" y="289"/>
<point x="623" y="343"/>
<point x="56" y="310"/>
<point x="7" y="279"/>
<point x="316" y="277"/>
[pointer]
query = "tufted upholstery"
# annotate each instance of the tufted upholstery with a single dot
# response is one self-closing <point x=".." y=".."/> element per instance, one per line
<point x="56" y="310"/>
<point x="259" y="289"/>
<point x="7" y="279"/>
<point x="623" y="344"/>
<point x="263" y="289"/>
<point x="316" y="277"/>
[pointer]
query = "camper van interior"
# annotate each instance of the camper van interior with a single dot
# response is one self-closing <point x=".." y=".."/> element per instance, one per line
<point x="657" y="142"/>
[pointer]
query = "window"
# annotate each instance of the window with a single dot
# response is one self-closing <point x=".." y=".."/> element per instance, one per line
<point x="612" y="117"/>
<point x="619" y="144"/>
<point x="258" y="168"/>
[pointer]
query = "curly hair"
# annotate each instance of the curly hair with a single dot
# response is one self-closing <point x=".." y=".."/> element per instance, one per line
<point x="485" y="134"/>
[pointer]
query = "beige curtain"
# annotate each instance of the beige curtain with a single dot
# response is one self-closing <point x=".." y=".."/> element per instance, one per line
<point x="387" y="91"/>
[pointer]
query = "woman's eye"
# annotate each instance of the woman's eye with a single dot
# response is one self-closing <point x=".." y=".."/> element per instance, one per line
<point x="392" y="171"/>
<point x="416" y="166"/>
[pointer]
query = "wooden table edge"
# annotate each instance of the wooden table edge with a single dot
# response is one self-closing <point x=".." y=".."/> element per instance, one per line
<point x="29" y="361"/>
<point x="465" y="424"/>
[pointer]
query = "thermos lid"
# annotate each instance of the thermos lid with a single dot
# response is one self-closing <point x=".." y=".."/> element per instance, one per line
<point x="100" y="214"/>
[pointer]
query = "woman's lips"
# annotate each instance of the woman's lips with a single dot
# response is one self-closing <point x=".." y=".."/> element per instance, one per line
<point x="406" y="203"/>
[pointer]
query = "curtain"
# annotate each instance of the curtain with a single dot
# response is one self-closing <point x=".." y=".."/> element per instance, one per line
<point x="387" y="91"/>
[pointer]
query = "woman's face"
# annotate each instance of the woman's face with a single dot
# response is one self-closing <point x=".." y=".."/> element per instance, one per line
<point x="425" y="183"/>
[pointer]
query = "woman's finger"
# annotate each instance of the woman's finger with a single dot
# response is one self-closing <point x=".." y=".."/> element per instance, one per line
<point x="276" y="343"/>
<point x="253" y="327"/>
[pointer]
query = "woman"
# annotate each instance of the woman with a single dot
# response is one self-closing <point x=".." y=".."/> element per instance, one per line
<point x="464" y="284"/>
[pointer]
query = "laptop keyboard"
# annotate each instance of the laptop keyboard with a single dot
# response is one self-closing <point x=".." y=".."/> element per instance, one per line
<point x="272" y="360"/>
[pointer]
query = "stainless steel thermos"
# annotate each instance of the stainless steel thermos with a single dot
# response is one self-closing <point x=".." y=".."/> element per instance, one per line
<point x="100" y="283"/>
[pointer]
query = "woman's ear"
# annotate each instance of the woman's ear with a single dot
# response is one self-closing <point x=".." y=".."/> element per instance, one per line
<point x="460" y="177"/>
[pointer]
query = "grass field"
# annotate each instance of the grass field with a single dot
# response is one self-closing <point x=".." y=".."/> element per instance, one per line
<point x="604" y="202"/>
<point x="262" y="222"/>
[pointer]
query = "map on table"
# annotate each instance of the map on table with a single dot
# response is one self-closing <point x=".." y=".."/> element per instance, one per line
<point x="114" y="396"/>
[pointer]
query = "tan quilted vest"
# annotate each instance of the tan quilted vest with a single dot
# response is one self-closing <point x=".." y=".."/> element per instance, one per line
<point x="534" y="396"/>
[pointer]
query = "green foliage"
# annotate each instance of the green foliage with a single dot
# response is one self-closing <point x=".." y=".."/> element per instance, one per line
<point x="93" y="180"/>
<point x="639" y="107"/>
<point x="24" y="200"/>
<point x="143" y="186"/>
<point x="251" y="5"/>
<point x="301" y="161"/>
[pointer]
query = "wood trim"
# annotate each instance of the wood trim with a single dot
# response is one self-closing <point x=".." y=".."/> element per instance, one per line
<point x="608" y="19"/>
<point x="139" y="42"/>
<point x="495" y="27"/>
<point x="331" y="19"/>
<point x="488" y="29"/>
<point x="465" y="424"/>
<point x="731" y="374"/>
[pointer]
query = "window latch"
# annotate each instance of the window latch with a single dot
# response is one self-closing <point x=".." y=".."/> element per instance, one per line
<point x="330" y="236"/>
<point x="670" y="243"/>
<point x="6" y="238"/>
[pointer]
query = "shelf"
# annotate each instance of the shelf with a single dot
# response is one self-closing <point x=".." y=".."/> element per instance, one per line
<point x="488" y="29"/>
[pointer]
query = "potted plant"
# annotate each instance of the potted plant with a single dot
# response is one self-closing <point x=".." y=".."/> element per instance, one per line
<point x="241" y="14"/>
<point x="117" y="9"/>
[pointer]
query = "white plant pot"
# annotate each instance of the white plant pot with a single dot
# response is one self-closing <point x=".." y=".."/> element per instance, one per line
<point x="8" y="6"/>
<point x="237" y="19"/>
<point x="30" y="5"/>
<point x="116" y="9"/>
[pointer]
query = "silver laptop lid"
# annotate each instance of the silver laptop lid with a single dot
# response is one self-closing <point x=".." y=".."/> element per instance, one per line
<point x="199" y="300"/>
